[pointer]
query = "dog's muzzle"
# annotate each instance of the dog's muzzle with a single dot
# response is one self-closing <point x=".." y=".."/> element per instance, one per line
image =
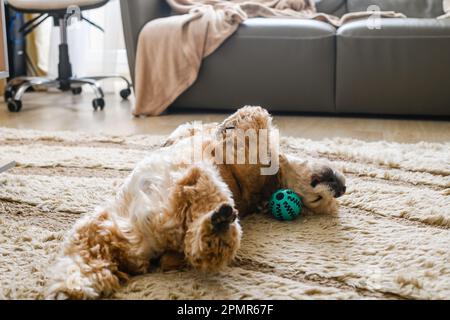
<point x="337" y="185"/>
<point x="339" y="192"/>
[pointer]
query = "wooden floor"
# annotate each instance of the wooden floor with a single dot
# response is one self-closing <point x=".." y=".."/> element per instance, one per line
<point x="62" y="111"/>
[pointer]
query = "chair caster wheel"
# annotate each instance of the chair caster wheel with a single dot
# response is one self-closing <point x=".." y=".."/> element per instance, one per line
<point x="14" y="105"/>
<point x="9" y="94"/>
<point x="77" y="90"/>
<point x="125" y="93"/>
<point x="98" y="103"/>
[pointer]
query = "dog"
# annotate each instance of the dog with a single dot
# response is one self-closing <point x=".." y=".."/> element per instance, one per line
<point x="183" y="212"/>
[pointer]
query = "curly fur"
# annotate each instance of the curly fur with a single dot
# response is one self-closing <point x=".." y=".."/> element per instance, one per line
<point x="181" y="213"/>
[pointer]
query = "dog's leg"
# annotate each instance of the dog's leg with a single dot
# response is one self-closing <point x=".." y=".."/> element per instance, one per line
<point x="213" y="239"/>
<point x="213" y="232"/>
<point x="92" y="259"/>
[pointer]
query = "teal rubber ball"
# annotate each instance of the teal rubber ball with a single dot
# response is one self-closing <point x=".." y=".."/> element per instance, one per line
<point x="285" y="205"/>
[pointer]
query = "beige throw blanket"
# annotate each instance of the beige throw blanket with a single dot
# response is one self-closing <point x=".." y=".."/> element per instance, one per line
<point x="170" y="50"/>
<point x="446" y="6"/>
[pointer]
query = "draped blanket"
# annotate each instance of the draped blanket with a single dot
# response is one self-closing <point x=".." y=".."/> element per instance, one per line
<point x="446" y="5"/>
<point x="171" y="49"/>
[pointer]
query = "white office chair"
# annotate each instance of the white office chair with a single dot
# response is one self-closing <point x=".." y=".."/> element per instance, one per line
<point x="61" y="11"/>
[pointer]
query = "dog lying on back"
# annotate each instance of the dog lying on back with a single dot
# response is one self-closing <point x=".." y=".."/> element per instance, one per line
<point x="317" y="183"/>
<point x="179" y="210"/>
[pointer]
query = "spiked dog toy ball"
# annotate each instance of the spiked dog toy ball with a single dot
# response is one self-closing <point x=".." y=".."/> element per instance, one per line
<point x="285" y="204"/>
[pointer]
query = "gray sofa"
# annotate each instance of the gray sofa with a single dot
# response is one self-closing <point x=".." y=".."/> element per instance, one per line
<point x="310" y="66"/>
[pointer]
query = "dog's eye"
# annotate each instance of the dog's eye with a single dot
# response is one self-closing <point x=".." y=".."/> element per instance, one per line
<point x="314" y="183"/>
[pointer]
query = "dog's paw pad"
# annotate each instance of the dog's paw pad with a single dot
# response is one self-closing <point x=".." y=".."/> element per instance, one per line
<point x="223" y="217"/>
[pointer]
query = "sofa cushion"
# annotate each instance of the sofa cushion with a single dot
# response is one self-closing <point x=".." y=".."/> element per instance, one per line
<point x="282" y="64"/>
<point x="411" y="8"/>
<point x="390" y="70"/>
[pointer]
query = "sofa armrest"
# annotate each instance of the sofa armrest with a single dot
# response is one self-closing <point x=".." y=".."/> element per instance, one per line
<point x="135" y="14"/>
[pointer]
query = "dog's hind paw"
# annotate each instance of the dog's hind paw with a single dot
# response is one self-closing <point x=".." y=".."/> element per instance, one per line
<point x="223" y="217"/>
<point x="62" y="292"/>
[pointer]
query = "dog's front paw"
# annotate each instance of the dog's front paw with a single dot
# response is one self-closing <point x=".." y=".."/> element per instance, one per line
<point x="212" y="243"/>
<point x="222" y="218"/>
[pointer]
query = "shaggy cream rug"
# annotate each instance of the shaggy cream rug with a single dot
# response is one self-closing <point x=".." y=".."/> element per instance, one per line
<point x="390" y="240"/>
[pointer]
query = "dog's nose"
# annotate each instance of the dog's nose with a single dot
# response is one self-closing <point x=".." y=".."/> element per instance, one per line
<point x="339" y="192"/>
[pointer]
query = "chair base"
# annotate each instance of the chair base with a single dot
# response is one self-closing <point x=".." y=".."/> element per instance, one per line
<point x="17" y="87"/>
